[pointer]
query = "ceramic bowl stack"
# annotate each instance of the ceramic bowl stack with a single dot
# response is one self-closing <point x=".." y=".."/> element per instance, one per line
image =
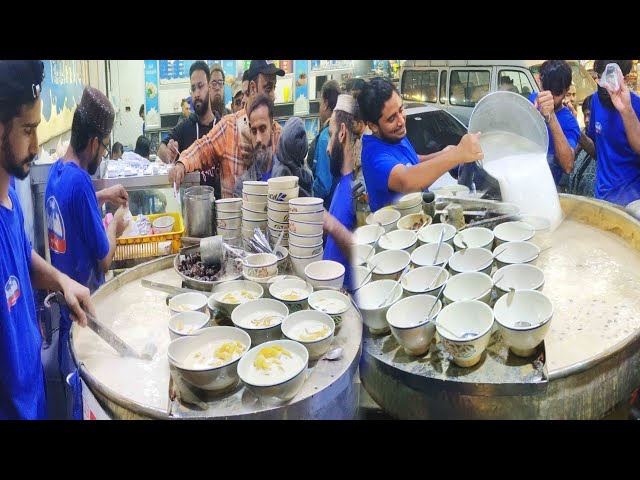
<point x="408" y="204"/>
<point x="254" y="207"/>
<point x="229" y="220"/>
<point x="305" y="232"/>
<point x="280" y="191"/>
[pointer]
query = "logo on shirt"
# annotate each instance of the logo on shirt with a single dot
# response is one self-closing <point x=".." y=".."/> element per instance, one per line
<point x="12" y="291"/>
<point x="598" y="127"/>
<point x="55" y="226"/>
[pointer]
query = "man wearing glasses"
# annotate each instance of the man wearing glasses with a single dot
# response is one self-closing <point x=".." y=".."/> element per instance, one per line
<point x="216" y="90"/>
<point x="78" y="243"/>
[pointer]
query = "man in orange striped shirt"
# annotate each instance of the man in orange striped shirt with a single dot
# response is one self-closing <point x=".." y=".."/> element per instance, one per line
<point x="228" y="144"/>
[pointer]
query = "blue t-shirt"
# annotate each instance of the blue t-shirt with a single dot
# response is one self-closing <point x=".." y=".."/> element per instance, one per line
<point x="22" y="394"/>
<point x="323" y="178"/>
<point x="342" y="208"/>
<point x="571" y="131"/>
<point x="378" y="159"/>
<point x="618" y="170"/>
<point x="77" y="238"/>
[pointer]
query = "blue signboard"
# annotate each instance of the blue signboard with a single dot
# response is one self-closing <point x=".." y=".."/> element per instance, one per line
<point x="151" y="93"/>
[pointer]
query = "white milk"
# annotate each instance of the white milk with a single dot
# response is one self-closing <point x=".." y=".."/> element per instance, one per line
<point x="523" y="174"/>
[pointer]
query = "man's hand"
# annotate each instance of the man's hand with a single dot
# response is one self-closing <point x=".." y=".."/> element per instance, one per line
<point x="77" y="298"/>
<point x="569" y="105"/>
<point x="115" y="194"/>
<point x="176" y="174"/>
<point x="121" y="223"/>
<point x="544" y="103"/>
<point x="622" y="98"/>
<point x="470" y="148"/>
<point x="174" y="150"/>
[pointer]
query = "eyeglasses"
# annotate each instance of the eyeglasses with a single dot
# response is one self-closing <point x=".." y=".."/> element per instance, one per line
<point x="217" y="83"/>
<point x="106" y="149"/>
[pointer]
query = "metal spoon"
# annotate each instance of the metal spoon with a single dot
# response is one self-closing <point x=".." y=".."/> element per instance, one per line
<point x="275" y="248"/>
<point x="435" y="259"/>
<point x="365" y="278"/>
<point x="437" y="276"/>
<point x="394" y="287"/>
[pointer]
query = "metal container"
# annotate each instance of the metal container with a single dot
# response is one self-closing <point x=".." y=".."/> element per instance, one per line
<point x="199" y="205"/>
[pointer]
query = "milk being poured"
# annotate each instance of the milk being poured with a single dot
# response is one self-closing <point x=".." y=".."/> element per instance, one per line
<point x="523" y="174"/>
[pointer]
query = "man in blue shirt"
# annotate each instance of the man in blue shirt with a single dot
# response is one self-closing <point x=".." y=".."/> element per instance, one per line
<point x="615" y="129"/>
<point x="341" y="219"/>
<point x="78" y="243"/>
<point x="390" y="164"/>
<point x="563" y="128"/>
<point x="22" y="391"/>
<point x="324" y="182"/>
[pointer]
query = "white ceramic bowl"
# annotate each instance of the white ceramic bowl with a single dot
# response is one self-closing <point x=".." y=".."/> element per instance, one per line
<point x="251" y="224"/>
<point x="468" y="286"/>
<point x="278" y="216"/>
<point x="255" y="186"/>
<point x="300" y="263"/>
<point x="283" y="194"/>
<point x="318" y="347"/>
<point x="279" y="206"/>
<point x="302" y="251"/>
<point x="528" y="306"/>
<point x="255" y="206"/>
<point x="305" y="228"/>
<point x="417" y="281"/>
<point x="361" y="253"/>
<point x="163" y="224"/>
<point x="325" y="274"/>
<point x="510" y="253"/>
<point x="229" y="204"/>
<point x="360" y="276"/>
<point x="260" y="265"/>
<point x="232" y="222"/>
<point x="389" y="264"/>
<point x="409" y="324"/>
<point x="184" y="324"/>
<point x="469" y="316"/>
<point x="519" y="277"/>
<point x="214" y="379"/>
<point x="234" y="242"/>
<point x="304" y="240"/>
<point x="310" y="217"/>
<point x="273" y="238"/>
<point x="370" y="296"/>
<point x="280" y="290"/>
<point x="386" y="217"/>
<point x="425" y="255"/>
<point x="216" y="299"/>
<point x="229" y="232"/>
<point x="254" y="197"/>
<point x="247" y="214"/>
<point x="277" y="226"/>
<point x="282" y="183"/>
<point x="474" y="237"/>
<point x="409" y="200"/>
<point x="188" y="302"/>
<point x="284" y="262"/>
<point x="243" y="317"/>
<point x="454" y="190"/>
<point x="368" y="234"/>
<point x="334" y="304"/>
<point x="399" y="240"/>
<point x="305" y="204"/>
<point x="431" y="234"/>
<point x="471" y="260"/>
<point x="414" y="222"/>
<point x="513" y="232"/>
<point x="278" y="391"/>
<point x="417" y="208"/>
<point x="222" y="215"/>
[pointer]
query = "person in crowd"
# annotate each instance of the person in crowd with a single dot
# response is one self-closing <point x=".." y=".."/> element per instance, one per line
<point x="142" y="116"/>
<point x="116" y="151"/>
<point x="216" y="90"/>
<point x="236" y="97"/>
<point x="390" y="164"/>
<point x="582" y="180"/>
<point x="245" y="89"/>
<point x="292" y="150"/>
<point x="185" y="109"/>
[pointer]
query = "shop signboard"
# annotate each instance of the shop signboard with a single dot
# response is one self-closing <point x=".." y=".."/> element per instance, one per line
<point x="301" y="106"/>
<point x="152" y="115"/>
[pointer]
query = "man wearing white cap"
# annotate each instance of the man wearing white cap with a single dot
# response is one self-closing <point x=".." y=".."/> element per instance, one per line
<point x="341" y="219"/>
<point x="236" y="97"/>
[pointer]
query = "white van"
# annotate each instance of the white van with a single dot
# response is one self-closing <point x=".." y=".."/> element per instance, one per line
<point x="457" y="85"/>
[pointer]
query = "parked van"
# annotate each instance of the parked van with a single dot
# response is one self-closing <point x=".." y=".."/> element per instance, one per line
<point x="457" y="85"/>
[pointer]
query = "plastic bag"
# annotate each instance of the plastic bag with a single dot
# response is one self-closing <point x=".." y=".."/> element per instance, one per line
<point x="612" y="77"/>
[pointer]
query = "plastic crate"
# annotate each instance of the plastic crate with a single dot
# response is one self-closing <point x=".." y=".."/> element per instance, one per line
<point x="154" y="245"/>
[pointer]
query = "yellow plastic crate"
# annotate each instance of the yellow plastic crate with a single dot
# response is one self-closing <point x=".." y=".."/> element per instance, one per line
<point x="150" y="245"/>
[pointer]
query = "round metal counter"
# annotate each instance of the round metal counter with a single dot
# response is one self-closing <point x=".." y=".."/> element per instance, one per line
<point x="130" y="389"/>
<point x="589" y="362"/>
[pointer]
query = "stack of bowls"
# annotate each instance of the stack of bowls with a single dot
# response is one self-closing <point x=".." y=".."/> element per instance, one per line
<point x="386" y="217"/>
<point x="305" y="232"/>
<point x="410" y="203"/>
<point x="229" y="220"/>
<point x="254" y="207"/>
<point x="280" y="191"/>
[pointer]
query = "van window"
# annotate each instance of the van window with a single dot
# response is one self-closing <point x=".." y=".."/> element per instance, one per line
<point x="467" y="87"/>
<point x="421" y="86"/>
<point x="514" y="81"/>
<point x="443" y="86"/>
<point x="430" y="132"/>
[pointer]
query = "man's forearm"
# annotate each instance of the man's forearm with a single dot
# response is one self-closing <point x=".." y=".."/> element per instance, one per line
<point x="105" y="263"/>
<point x="631" y="127"/>
<point x="43" y="275"/>
<point x="341" y="235"/>
<point x="102" y="197"/>
<point x="421" y="176"/>
<point x="564" y="152"/>
<point x="587" y="145"/>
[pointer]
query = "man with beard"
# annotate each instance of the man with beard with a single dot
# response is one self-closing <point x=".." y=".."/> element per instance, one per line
<point x="615" y="129"/>
<point x="78" y="243"/>
<point x="196" y="126"/>
<point x="245" y="88"/>
<point x="563" y="128"/>
<point x="260" y="115"/>
<point x="216" y="91"/>
<point x="390" y="164"/>
<point x="236" y="97"/>
<point x="22" y="390"/>
<point x="229" y="143"/>
<point x="341" y="219"/>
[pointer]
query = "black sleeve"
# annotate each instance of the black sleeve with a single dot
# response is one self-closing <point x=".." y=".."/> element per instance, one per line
<point x="177" y="134"/>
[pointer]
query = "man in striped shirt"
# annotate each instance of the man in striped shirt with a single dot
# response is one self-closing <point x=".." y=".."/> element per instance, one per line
<point x="228" y="144"/>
